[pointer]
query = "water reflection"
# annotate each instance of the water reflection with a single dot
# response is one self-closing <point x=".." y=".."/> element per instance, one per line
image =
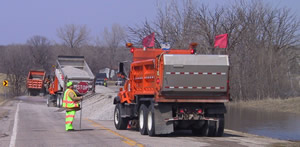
<point x="272" y="124"/>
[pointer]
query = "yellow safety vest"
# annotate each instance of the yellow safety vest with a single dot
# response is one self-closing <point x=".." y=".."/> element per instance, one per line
<point x="67" y="100"/>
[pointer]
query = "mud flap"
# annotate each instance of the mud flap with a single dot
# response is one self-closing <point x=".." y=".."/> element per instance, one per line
<point x="162" y="112"/>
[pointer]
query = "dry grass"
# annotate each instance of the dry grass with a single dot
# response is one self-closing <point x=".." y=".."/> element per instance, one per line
<point x="2" y="78"/>
<point x="291" y="144"/>
<point x="291" y="105"/>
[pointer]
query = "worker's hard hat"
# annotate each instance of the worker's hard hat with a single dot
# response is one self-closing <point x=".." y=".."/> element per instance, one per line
<point x="69" y="84"/>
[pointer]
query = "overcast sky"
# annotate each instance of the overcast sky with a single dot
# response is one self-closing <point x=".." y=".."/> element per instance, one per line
<point x="22" y="19"/>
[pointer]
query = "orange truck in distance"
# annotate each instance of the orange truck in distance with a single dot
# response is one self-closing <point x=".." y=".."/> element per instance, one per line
<point x="35" y="82"/>
<point x="174" y="89"/>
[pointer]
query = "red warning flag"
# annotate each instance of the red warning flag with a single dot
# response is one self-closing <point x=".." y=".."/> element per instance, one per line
<point x="149" y="40"/>
<point x="221" y="41"/>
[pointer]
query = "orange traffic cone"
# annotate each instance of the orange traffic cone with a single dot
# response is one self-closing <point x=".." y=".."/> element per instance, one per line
<point x="129" y="125"/>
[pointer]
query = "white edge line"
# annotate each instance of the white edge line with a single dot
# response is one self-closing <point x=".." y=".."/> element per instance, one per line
<point x="15" y="129"/>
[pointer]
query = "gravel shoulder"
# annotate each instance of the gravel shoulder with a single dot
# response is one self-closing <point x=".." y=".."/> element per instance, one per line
<point x="100" y="106"/>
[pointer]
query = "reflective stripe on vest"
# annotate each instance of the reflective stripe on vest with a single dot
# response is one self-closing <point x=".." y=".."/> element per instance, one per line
<point x="69" y="122"/>
<point x="70" y="116"/>
<point x="67" y="100"/>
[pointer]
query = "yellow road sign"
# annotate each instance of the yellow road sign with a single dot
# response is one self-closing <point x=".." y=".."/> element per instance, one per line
<point x="5" y="83"/>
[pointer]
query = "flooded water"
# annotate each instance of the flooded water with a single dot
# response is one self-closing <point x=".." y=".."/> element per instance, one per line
<point x="285" y="126"/>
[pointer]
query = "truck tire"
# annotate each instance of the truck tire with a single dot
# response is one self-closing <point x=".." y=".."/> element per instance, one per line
<point x="209" y="129"/>
<point x="151" y="121"/>
<point x="220" y="125"/>
<point x="58" y="104"/>
<point x="120" y="123"/>
<point x="58" y="100"/>
<point x="61" y="100"/>
<point x="143" y="119"/>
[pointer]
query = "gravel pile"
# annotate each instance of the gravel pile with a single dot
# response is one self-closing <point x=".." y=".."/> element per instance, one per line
<point x="74" y="72"/>
<point x="100" y="106"/>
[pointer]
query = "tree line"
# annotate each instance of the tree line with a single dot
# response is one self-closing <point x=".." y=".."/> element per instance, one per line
<point x="262" y="45"/>
<point x="262" y="42"/>
<point x="40" y="53"/>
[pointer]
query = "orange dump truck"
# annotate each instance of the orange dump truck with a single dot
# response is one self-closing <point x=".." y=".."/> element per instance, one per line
<point x="174" y="89"/>
<point x="35" y="82"/>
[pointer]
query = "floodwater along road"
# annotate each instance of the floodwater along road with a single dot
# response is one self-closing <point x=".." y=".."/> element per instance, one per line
<point x="280" y="125"/>
<point x="27" y="122"/>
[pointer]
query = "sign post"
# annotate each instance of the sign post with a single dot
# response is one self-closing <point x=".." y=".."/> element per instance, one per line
<point x="5" y="84"/>
<point x="82" y="88"/>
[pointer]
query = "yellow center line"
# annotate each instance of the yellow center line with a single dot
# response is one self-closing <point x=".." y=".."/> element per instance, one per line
<point x="126" y="139"/>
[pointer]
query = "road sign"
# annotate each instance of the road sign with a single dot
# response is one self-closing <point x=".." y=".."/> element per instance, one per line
<point x="82" y="87"/>
<point x="5" y="83"/>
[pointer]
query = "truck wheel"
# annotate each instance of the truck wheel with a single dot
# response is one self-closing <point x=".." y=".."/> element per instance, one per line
<point x="143" y="119"/>
<point x="220" y="125"/>
<point x="150" y="121"/>
<point x="120" y="123"/>
<point x="209" y="128"/>
<point x="197" y="129"/>
<point x="58" y="101"/>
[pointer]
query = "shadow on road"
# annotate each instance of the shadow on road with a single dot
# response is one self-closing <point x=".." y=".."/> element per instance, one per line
<point x="83" y="130"/>
<point x="188" y="133"/>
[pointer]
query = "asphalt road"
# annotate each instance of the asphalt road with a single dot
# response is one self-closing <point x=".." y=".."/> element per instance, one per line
<point x="28" y="122"/>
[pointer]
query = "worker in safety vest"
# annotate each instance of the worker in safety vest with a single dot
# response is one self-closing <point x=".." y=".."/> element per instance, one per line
<point x="71" y="103"/>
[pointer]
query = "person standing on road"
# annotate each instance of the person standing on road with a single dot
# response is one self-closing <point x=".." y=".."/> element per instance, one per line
<point x="71" y="103"/>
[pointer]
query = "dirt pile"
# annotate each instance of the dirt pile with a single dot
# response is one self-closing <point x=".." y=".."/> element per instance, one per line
<point x="99" y="106"/>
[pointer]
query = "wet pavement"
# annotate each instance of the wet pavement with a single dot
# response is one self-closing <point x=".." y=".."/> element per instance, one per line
<point x="285" y="126"/>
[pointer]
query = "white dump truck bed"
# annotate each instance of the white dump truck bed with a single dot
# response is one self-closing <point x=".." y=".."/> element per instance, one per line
<point x="75" y="69"/>
<point x="195" y="73"/>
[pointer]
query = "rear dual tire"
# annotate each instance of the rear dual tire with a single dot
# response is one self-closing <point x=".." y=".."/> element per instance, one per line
<point x="212" y="128"/>
<point x="59" y="100"/>
<point x="150" y="121"/>
<point x="146" y="120"/>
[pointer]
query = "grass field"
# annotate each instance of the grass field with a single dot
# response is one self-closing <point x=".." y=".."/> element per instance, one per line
<point x="291" y="105"/>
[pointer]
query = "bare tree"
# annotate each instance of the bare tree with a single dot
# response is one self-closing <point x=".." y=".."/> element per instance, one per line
<point x="113" y="40"/>
<point x="40" y="50"/>
<point x="173" y="25"/>
<point x="16" y="63"/>
<point x="73" y="36"/>
<point x="260" y="38"/>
